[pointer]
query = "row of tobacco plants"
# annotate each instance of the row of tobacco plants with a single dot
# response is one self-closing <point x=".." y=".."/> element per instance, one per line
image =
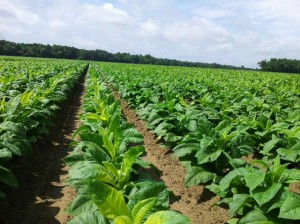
<point x="105" y="167"/>
<point x="238" y="132"/>
<point x="30" y="93"/>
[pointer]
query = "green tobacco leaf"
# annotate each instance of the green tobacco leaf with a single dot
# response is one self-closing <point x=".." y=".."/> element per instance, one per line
<point x="130" y="157"/>
<point x="83" y="128"/>
<point x="289" y="154"/>
<point x="91" y="138"/>
<point x="216" y="189"/>
<point x="14" y="149"/>
<point x="226" y="181"/>
<point x="111" y="167"/>
<point x="149" y="189"/>
<point x="115" y="126"/>
<point x="206" y="142"/>
<point x="255" y="217"/>
<point x="238" y="201"/>
<point x="7" y="177"/>
<point x="290" y="176"/>
<point x="185" y="149"/>
<point x="260" y="163"/>
<point x="141" y="209"/>
<point x="253" y="180"/>
<point x="193" y="125"/>
<point x="82" y="203"/>
<point x="162" y="129"/>
<point x="196" y="175"/>
<point x="296" y="147"/>
<point x="12" y="127"/>
<point x="107" y="177"/>
<point x="208" y="156"/>
<point x="108" y="144"/>
<point x="92" y="116"/>
<point x="233" y="221"/>
<point x="87" y="151"/>
<point x="122" y="220"/>
<point x="5" y="155"/>
<point x="270" y="144"/>
<point x="170" y="137"/>
<point x="132" y="135"/>
<point x="89" y="217"/>
<point x="236" y="163"/>
<point x="167" y="217"/>
<point x="290" y="208"/>
<point x="263" y="195"/>
<point x="108" y="200"/>
<point x="222" y="125"/>
<point x="84" y="170"/>
<point x="278" y="171"/>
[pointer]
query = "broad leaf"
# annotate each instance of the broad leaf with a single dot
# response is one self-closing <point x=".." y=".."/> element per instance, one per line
<point x="196" y="175"/>
<point x="290" y="176"/>
<point x="270" y="144"/>
<point x="208" y="156"/>
<point x="141" y="209"/>
<point x="90" y="217"/>
<point x="82" y="203"/>
<point x="122" y="220"/>
<point x="149" y="189"/>
<point x="170" y="137"/>
<point x="255" y="217"/>
<point x="130" y="157"/>
<point x="7" y="177"/>
<point x="185" y="149"/>
<point x="5" y="155"/>
<point x="290" y="208"/>
<point x="253" y="180"/>
<point x="108" y="200"/>
<point x="289" y="154"/>
<point x="263" y="195"/>
<point x="167" y="217"/>
<point x="238" y="201"/>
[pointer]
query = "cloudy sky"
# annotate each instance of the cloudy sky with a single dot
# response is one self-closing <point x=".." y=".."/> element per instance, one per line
<point x="235" y="32"/>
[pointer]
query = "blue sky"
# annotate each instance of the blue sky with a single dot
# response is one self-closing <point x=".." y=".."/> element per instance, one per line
<point x="235" y="32"/>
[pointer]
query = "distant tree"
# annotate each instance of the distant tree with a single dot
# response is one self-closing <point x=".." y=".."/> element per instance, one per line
<point x="280" y="65"/>
<point x="58" y="51"/>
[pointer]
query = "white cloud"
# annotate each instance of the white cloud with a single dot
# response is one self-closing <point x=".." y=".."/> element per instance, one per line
<point x="17" y="12"/>
<point x="222" y="31"/>
<point x="57" y="24"/>
<point x="196" y="30"/>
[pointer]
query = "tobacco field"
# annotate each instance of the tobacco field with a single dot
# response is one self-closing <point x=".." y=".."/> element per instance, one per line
<point x="236" y="134"/>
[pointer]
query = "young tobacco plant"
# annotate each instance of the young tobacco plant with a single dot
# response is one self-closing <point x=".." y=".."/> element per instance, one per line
<point x="259" y="193"/>
<point x="101" y="167"/>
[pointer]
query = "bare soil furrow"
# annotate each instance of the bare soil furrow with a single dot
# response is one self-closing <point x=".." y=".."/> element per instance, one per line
<point x="43" y="196"/>
<point x="195" y="201"/>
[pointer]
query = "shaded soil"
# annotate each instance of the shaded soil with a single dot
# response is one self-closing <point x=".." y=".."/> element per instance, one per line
<point x="196" y="201"/>
<point x="42" y="195"/>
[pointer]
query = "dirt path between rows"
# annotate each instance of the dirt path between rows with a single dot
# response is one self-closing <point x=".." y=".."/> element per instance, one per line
<point x="42" y="195"/>
<point x="196" y="201"/>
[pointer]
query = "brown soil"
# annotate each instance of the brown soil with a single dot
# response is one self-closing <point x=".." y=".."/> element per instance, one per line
<point x="42" y="195"/>
<point x="196" y="201"/>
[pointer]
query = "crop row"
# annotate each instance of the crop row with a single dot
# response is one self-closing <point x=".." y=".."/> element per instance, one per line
<point x="237" y="131"/>
<point x="30" y="92"/>
<point x="106" y="164"/>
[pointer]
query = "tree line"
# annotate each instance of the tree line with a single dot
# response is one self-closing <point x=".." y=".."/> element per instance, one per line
<point x="280" y="65"/>
<point x="57" y="51"/>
